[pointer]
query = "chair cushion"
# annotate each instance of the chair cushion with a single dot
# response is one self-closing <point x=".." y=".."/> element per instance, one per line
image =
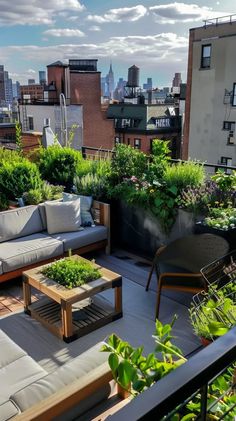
<point x="19" y="222"/>
<point x="75" y="240"/>
<point x="19" y="374"/>
<point x="24" y="251"/>
<point x="9" y="351"/>
<point x="63" y="216"/>
<point x="64" y="375"/>
<point x="85" y="206"/>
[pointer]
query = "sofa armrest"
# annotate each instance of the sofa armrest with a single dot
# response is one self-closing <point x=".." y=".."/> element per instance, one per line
<point x="69" y="396"/>
<point x="101" y="215"/>
<point x="8" y="410"/>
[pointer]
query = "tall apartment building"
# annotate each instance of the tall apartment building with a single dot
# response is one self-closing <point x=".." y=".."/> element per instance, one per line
<point x="8" y="89"/>
<point x="210" y="116"/>
<point x="42" y="77"/>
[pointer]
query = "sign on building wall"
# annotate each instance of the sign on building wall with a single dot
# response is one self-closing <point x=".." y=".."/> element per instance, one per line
<point x="162" y="122"/>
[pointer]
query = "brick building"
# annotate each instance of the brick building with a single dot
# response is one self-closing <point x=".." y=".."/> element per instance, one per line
<point x="31" y="92"/>
<point x="139" y="124"/>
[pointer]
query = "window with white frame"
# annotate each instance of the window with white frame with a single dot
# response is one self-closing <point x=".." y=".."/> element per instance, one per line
<point x="137" y="143"/>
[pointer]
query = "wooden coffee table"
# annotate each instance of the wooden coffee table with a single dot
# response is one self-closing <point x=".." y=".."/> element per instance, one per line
<point x="55" y="310"/>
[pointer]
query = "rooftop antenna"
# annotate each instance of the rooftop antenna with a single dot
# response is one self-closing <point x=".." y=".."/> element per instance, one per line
<point x="63" y="120"/>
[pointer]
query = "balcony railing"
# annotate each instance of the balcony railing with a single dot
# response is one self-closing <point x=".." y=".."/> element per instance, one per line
<point x="192" y="377"/>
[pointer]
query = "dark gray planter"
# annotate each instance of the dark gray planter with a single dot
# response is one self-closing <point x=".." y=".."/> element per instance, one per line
<point x="138" y="230"/>
<point x="229" y="235"/>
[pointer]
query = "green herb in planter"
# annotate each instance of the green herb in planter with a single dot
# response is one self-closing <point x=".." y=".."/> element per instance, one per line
<point x="71" y="273"/>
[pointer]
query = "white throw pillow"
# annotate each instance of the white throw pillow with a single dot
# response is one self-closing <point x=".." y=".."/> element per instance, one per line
<point x="85" y="207"/>
<point x="63" y="216"/>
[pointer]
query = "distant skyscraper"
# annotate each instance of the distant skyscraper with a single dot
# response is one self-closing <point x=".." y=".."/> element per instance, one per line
<point x="42" y="77"/>
<point x="16" y="90"/>
<point x="119" y="92"/>
<point x="147" y="86"/>
<point x="8" y="89"/>
<point x="103" y="86"/>
<point x="31" y="81"/>
<point x="2" y="86"/>
<point x="110" y="82"/>
<point x="177" y="80"/>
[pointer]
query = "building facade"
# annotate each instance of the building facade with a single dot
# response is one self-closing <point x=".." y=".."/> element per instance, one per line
<point x="139" y="124"/>
<point x="79" y="82"/>
<point x="210" y="115"/>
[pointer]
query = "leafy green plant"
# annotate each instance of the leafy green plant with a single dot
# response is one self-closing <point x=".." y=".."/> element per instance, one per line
<point x="32" y="197"/>
<point x="71" y="272"/>
<point x="185" y="174"/>
<point x="127" y="162"/>
<point x="159" y="159"/>
<point x="45" y="192"/>
<point x="59" y="165"/>
<point x="165" y="206"/>
<point x="215" y="314"/>
<point x="7" y="155"/>
<point x="19" y="143"/>
<point x="16" y="177"/>
<point x="225" y="181"/>
<point x="220" y="218"/>
<point x="132" y="370"/>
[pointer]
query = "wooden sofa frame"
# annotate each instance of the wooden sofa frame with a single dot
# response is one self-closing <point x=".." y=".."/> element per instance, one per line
<point x="101" y="215"/>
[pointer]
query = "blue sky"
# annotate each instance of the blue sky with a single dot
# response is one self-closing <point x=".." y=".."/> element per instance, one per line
<point x="152" y="34"/>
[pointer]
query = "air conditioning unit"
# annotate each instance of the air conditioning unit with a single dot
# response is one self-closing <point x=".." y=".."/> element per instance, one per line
<point x="231" y="140"/>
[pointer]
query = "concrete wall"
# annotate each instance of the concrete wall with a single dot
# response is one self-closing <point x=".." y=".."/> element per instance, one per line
<point x="207" y="140"/>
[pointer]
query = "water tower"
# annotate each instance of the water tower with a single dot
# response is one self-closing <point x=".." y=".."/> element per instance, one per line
<point x="132" y="86"/>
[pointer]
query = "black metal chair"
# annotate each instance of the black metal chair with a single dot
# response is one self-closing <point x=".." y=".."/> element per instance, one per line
<point x="178" y="265"/>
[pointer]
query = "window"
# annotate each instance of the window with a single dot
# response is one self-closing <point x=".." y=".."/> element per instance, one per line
<point x="137" y="143"/>
<point x="31" y="122"/>
<point x="229" y="125"/>
<point x="117" y="140"/>
<point x="206" y="56"/>
<point x="234" y="96"/>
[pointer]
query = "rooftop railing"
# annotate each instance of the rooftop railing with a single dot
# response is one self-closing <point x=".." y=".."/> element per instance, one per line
<point x="219" y="20"/>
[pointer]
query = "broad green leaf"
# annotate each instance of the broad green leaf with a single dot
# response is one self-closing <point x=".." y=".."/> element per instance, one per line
<point x="126" y="373"/>
<point x="113" y="361"/>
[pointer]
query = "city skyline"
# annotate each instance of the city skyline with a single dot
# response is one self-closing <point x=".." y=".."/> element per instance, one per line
<point x="152" y="35"/>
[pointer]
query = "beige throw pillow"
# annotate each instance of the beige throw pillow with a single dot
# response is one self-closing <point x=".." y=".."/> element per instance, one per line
<point x="63" y="216"/>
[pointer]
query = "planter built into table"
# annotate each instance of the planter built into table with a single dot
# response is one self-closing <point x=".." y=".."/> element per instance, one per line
<point x="55" y="311"/>
<point x="228" y="235"/>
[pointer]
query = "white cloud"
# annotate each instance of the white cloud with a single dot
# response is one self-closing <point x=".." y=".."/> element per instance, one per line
<point x="31" y="71"/>
<point x="128" y="14"/>
<point x="65" y="32"/>
<point x="181" y="12"/>
<point x="94" y="28"/>
<point x="23" y="12"/>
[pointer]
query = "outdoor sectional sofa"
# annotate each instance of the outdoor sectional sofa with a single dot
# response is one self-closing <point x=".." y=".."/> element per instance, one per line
<point x="28" y="392"/>
<point x="25" y="241"/>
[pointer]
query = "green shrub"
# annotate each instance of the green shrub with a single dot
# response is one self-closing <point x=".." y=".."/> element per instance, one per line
<point x="45" y="192"/>
<point x="159" y="159"/>
<point x="16" y="177"/>
<point x="59" y="165"/>
<point x="32" y="197"/>
<point x="91" y="184"/>
<point x="71" y="272"/>
<point x="4" y="202"/>
<point x="126" y="162"/>
<point x="184" y="174"/>
<point x="9" y="156"/>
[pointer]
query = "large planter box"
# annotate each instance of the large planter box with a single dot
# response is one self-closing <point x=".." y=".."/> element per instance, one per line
<point x="229" y="235"/>
<point x="138" y="230"/>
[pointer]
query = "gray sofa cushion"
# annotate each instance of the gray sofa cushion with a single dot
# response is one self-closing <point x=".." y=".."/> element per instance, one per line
<point x="75" y="240"/>
<point x="1" y="270"/>
<point x="19" y="374"/>
<point x="85" y="207"/>
<point x="19" y="222"/>
<point x="64" y="375"/>
<point x="28" y="250"/>
<point x="63" y="216"/>
<point x="8" y="409"/>
<point x="9" y="351"/>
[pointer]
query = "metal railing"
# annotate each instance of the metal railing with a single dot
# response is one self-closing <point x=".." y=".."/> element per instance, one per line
<point x="219" y="20"/>
<point x="92" y="152"/>
<point x="171" y="391"/>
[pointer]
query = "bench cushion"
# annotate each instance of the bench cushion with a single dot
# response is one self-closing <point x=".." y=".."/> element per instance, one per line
<point x="75" y="240"/>
<point x="19" y="222"/>
<point x="8" y="409"/>
<point x="19" y="374"/>
<point x="28" y="250"/>
<point x="64" y="375"/>
<point x="9" y="351"/>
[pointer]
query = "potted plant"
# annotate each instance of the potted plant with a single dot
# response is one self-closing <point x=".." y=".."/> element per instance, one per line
<point x="213" y="313"/>
<point x="71" y="272"/>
